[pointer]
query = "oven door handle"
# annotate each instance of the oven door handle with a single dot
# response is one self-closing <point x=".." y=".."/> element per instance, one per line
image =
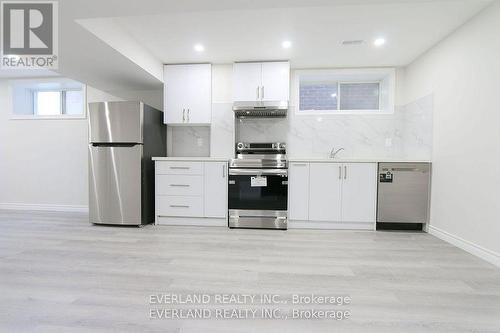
<point x="258" y="172"/>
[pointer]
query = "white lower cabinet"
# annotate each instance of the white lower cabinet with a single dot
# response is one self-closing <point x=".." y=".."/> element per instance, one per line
<point x="298" y="191"/>
<point x="326" y="192"/>
<point x="359" y="192"/>
<point x="173" y="205"/>
<point x="215" y="197"/>
<point x="191" y="193"/>
<point x="179" y="185"/>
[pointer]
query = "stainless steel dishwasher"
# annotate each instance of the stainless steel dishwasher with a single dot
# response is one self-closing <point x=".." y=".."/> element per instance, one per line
<point x="403" y="195"/>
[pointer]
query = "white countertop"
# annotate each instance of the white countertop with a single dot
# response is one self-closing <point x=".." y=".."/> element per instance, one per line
<point x="355" y="160"/>
<point x="191" y="159"/>
<point x="298" y="160"/>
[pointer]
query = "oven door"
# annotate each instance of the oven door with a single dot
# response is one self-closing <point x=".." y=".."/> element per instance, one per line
<point x="258" y="189"/>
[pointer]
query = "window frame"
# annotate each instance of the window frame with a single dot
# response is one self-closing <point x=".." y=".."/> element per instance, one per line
<point x="363" y="75"/>
<point x="61" y="116"/>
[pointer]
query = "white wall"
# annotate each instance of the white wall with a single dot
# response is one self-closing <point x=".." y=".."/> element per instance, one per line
<point x="43" y="163"/>
<point x="462" y="73"/>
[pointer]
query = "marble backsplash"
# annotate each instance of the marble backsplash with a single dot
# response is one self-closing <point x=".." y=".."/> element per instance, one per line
<point x="189" y="141"/>
<point x="405" y="134"/>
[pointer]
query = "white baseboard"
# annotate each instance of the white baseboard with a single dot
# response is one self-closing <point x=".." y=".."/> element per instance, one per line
<point x="43" y="207"/>
<point x="478" y="251"/>
<point x="191" y="221"/>
<point x="299" y="224"/>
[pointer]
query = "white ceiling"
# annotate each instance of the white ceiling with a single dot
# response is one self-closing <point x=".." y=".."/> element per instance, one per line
<point x="316" y="33"/>
<point x="121" y="44"/>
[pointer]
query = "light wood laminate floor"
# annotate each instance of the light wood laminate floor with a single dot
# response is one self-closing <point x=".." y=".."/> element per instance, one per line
<point x="58" y="273"/>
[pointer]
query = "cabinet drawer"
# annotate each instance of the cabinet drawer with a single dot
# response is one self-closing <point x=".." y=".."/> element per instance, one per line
<point x="179" y="185"/>
<point x="179" y="168"/>
<point x="169" y="205"/>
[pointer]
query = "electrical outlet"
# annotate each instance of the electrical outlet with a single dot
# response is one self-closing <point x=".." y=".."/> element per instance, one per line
<point x="199" y="142"/>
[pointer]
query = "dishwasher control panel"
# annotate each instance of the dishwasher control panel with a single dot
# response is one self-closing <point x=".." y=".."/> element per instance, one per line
<point x="386" y="177"/>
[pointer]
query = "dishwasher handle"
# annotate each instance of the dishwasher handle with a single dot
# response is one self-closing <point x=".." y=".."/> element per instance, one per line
<point x="402" y="169"/>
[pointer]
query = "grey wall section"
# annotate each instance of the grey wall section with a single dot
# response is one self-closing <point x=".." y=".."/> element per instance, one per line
<point x="462" y="73"/>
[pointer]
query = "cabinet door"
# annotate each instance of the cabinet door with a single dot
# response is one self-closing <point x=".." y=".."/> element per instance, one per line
<point x="187" y="93"/>
<point x="215" y="196"/>
<point x="298" y="190"/>
<point x="247" y="78"/>
<point x="174" y="94"/>
<point x="324" y="191"/>
<point x="275" y="81"/>
<point x="359" y="192"/>
<point x="199" y="94"/>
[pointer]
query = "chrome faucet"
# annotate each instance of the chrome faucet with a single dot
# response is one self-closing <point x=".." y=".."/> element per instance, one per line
<point x="334" y="152"/>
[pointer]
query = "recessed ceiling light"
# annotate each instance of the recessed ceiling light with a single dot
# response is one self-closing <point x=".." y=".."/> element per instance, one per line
<point x="199" y="48"/>
<point x="379" y="41"/>
<point x="286" y="44"/>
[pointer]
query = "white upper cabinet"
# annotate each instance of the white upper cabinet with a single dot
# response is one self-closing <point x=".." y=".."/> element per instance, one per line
<point x="247" y="80"/>
<point x="325" y="192"/>
<point x="359" y="192"/>
<point x="261" y="81"/>
<point x="187" y="94"/>
<point x="275" y="81"/>
<point x="215" y="189"/>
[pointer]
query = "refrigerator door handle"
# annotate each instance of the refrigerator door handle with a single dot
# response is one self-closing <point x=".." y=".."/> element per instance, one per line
<point x="122" y="144"/>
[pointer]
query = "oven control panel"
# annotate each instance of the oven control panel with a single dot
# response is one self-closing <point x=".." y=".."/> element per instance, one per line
<point x="278" y="147"/>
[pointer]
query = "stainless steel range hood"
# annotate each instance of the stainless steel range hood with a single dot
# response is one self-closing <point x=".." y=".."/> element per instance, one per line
<point x="260" y="109"/>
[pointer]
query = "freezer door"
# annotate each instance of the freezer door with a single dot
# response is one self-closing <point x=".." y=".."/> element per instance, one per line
<point x="115" y="184"/>
<point x="116" y="122"/>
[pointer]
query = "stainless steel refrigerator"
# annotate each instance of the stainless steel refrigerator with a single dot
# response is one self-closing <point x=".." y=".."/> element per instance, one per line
<point x="123" y="136"/>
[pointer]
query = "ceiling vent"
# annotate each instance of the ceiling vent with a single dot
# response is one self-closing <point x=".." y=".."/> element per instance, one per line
<point x="352" y="42"/>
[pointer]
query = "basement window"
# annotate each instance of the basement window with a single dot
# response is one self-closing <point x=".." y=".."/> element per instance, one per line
<point x="58" y="102"/>
<point x="47" y="99"/>
<point x="363" y="91"/>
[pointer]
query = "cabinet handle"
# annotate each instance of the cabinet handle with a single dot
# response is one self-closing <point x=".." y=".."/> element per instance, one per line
<point x="345" y="172"/>
<point x="179" y="206"/>
<point x="182" y="168"/>
<point x="223" y="171"/>
<point x="183" y="115"/>
<point x="188" y="116"/>
<point x="257" y="92"/>
<point x="262" y="93"/>
<point x="340" y="172"/>
<point x="180" y="185"/>
<point x="299" y="164"/>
